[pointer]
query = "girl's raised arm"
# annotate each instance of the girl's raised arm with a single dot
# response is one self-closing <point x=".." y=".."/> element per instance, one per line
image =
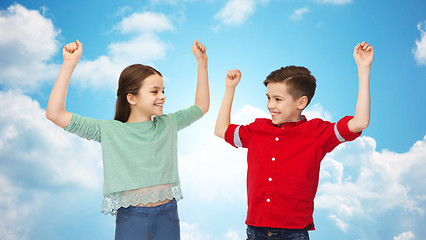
<point x="55" y="110"/>
<point x="202" y="94"/>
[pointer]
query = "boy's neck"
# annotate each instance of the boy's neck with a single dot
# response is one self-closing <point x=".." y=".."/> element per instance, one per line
<point x="299" y="118"/>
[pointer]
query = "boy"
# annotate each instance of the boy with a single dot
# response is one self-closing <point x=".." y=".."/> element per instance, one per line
<point x="285" y="152"/>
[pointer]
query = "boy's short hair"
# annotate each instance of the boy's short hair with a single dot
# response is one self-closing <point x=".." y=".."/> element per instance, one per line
<point x="299" y="81"/>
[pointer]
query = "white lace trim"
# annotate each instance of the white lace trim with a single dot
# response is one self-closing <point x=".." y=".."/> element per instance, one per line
<point x="114" y="201"/>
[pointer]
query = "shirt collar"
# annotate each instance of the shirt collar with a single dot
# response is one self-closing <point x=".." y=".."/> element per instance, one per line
<point x="293" y="124"/>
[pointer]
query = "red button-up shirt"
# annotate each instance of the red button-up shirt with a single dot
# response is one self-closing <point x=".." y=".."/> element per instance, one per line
<point x="283" y="167"/>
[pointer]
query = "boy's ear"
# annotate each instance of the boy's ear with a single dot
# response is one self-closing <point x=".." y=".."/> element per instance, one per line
<point x="302" y="102"/>
<point x="131" y="99"/>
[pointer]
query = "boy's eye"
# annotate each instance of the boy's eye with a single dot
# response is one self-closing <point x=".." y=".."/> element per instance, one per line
<point x="278" y="99"/>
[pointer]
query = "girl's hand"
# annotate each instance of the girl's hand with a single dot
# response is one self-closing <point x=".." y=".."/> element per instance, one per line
<point x="72" y="51"/>
<point x="199" y="51"/>
<point x="363" y="54"/>
<point x="233" y="77"/>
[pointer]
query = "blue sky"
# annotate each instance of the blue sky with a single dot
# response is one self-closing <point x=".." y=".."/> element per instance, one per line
<point x="51" y="181"/>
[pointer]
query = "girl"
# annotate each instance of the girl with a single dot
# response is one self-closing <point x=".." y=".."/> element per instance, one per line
<point x="141" y="182"/>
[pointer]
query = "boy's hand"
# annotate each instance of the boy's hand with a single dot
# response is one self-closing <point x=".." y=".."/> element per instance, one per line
<point x="233" y="77"/>
<point x="72" y="51"/>
<point x="363" y="54"/>
<point x="199" y="51"/>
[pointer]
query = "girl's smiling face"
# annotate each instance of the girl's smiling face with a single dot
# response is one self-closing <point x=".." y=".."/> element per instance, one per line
<point x="150" y="99"/>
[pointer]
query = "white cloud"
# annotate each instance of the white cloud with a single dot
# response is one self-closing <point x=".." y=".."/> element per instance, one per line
<point x="335" y="2"/>
<point x="123" y="11"/>
<point x="99" y="73"/>
<point x="27" y="43"/>
<point x="171" y="2"/>
<point x="190" y="232"/>
<point x="420" y="51"/>
<point x="316" y="111"/>
<point x="38" y="159"/>
<point x="104" y="71"/>
<point x="13" y="212"/>
<point x="248" y="114"/>
<point x="208" y="162"/>
<point x="232" y="235"/>
<point x="216" y="159"/>
<point x="145" y="22"/>
<point x="405" y="236"/>
<point x="341" y="224"/>
<point x="359" y="182"/>
<point x="146" y="47"/>
<point x="50" y="155"/>
<point x="298" y="14"/>
<point x="236" y="12"/>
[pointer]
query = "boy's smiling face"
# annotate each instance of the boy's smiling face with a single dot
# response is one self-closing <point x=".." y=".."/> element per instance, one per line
<point x="281" y="105"/>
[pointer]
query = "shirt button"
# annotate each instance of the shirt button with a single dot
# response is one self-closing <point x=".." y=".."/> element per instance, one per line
<point x="273" y="159"/>
<point x="268" y="200"/>
<point x="270" y="179"/>
<point x="276" y="139"/>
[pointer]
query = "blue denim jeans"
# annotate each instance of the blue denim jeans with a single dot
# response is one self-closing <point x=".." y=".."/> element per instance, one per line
<point x="148" y="223"/>
<point x="264" y="233"/>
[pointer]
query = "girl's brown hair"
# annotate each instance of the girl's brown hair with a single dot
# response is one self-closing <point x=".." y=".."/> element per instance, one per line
<point x="130" y="82"/>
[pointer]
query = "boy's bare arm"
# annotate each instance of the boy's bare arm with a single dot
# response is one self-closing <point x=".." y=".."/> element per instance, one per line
<point x="363" y="55"/>
<point x="233" y="77"/>
<point x="55" y="110"/>
<point x="202" y="94"/>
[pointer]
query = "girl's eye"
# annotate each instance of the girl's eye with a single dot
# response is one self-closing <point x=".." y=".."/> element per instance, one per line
<point x="278" y="99"/>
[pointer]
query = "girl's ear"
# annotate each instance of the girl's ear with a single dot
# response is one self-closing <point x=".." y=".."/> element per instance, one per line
<point x="302" y="102"/>
<point x="131" y="99"/>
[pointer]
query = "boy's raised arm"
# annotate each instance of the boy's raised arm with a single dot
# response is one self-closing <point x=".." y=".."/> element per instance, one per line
<point x="363" y="55"/>
<point x="233" y="77"/>
<point x="202" y="94"/>
<point x="55" y="110"/>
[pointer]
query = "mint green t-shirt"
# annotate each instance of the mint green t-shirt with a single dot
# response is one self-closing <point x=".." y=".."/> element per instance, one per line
<point x="137" y="155"/>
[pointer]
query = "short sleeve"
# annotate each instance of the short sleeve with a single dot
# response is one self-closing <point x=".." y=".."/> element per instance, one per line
<point x="332" y="134"/>
<point x="185" y="117"/>
<point x="238" y="135"/>
<point x="84" y="127"/>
